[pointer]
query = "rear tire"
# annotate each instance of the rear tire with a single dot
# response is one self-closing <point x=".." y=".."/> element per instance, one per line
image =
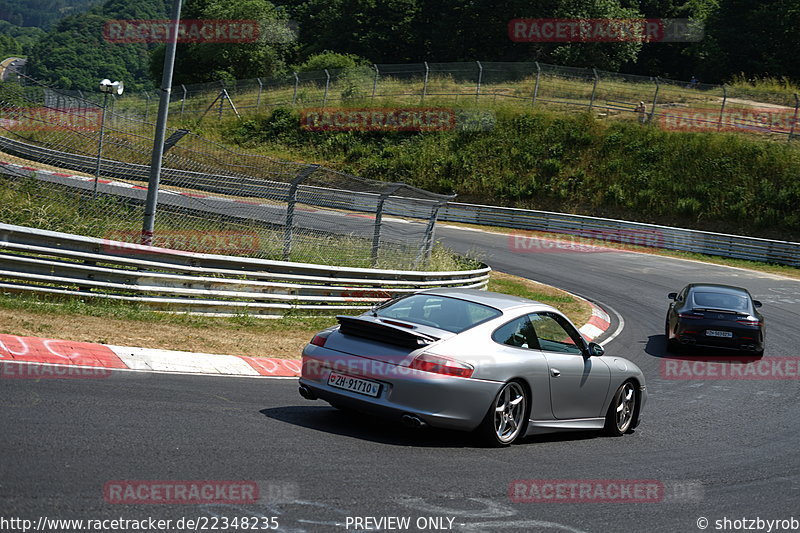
<point x="672" y="346"/>
<point x="619" y="418"/>
<point x="507" y="418"/>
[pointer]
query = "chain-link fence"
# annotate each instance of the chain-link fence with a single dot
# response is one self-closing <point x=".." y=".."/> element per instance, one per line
<point x="91" y="171"/>
<point x="672" y="104"/>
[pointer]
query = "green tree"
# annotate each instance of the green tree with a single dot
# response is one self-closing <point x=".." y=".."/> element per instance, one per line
<point x="753" y="38"/>
<point x="202" y="62"/>
<point x="9" y="46"/>
<point x="75" y="55"/>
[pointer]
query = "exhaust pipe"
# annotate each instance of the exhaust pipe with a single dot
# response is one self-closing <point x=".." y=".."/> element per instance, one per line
<point x="306" y="393"/>
<point x="413" y="421"/>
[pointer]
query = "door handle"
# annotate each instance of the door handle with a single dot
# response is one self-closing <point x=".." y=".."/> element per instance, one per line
<point x="556" y="372"/>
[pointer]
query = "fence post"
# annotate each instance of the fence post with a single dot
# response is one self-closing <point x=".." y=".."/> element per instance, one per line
<point x="183" y="98"/>
<point x="375" y="81"/>
<point x="327" y="85"/>
<point x="536" y="86"/>
<point x="221" y="102"/>
<point x="655" y="101"/>
<point x="427" y="241"/>
<point x="794" y="120"/>
<point x="425" y="83"/>
<point x="722" y="108"/>
<point x="291" y="200"/>
<point x="594" y="89"/>
<point x="146" y="106"/>
<point x="258" y="98"/>
<point x="376" y="232"/>
<point x="480" y="79"/>
<point x="296" y="83"/>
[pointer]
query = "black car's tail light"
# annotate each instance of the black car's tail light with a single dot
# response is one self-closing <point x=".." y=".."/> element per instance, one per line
<point x="750" y="321"/>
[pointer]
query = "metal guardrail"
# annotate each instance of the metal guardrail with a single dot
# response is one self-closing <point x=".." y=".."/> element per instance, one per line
<point x="604" y="229"/>
<point x="623" y="232"/>
<point x="54" y="263"/>
<point x="220" y="184"/>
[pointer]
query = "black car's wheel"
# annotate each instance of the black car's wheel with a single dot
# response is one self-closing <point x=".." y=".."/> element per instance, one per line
<point x="507" y="417"/>
<point x="672" y="345"/>
<point x="619" y="417"/>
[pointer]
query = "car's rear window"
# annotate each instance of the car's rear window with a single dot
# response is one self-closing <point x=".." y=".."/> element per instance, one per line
<point x="716" y="300"/>
<point x="450" y="314"/>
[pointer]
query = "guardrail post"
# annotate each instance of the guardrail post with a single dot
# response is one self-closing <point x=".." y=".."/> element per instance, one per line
<point x="536" y="86"/>
<point x="376" y="232"/>
<point x="296" y="83"/>
<point x="655" y="101"/>
<point x="327" y="86"/>
<point x="375" y="81"/>
<point x="594" y="89"/>
<point x="183" y="98"/>
<point x="291" y="201"/>
<point x="258" y="98"/>
<point x="425" y="83"/>
<point x="480" y="78"/>
<point x="722" y="107"/>
<point x="794" y="120"/>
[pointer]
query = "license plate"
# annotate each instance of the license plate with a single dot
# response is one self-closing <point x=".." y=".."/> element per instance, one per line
<point x="361" y="386"/>
<point x="714" y="333"/>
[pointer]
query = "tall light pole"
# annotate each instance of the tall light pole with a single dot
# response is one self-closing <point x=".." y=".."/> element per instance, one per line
<point x="106" y="87"/>
<point x="161" y="127"/>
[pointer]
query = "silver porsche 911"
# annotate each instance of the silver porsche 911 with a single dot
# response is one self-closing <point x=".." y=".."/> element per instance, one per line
<point x="502" y="366"/>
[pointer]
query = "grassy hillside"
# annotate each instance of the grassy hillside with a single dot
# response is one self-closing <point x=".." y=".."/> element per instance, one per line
<point x="565" y="162"/>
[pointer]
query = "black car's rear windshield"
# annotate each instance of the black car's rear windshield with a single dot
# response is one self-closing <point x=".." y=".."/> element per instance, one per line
<point x="717" y="300"/>
<point x="450" y="314"/>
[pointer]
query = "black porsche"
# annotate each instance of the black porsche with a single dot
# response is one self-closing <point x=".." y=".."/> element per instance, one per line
<point x="705" y="314"/>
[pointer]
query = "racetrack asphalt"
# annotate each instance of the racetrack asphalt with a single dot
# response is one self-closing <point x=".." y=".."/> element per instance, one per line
<point x="721" y="448"/>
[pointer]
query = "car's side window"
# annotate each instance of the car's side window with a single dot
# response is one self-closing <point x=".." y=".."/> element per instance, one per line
<point x="519" y="333"/>
<point x="553" y="335"/>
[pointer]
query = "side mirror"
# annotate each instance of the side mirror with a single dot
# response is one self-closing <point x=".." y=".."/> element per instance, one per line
<point x="757" y="303"/>
<point x="595" y="350"/>
<point x="672" y="295"/>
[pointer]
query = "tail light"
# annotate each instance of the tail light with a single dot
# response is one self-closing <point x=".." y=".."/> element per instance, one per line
<point x="439" y="364"/>
<point x="690" y="316"/>
<point x="319" y="340"/>
<point x="750" y="321"/>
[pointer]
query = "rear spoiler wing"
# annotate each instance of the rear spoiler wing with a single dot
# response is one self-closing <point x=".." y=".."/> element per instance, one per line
<point x="377" y="331"/>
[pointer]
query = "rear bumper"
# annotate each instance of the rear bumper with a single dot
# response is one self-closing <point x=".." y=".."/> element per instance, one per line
<point x="747" y="341"/>
<point x="441" y="401"/>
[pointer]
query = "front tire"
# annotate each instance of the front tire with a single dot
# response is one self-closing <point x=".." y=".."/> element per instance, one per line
<point x="507" y="418"/>
<point x="619" y="417"/>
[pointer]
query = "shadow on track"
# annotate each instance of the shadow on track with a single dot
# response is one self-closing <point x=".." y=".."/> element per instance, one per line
<point x="370" y="428"/>
<point x="657" y="347"/>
